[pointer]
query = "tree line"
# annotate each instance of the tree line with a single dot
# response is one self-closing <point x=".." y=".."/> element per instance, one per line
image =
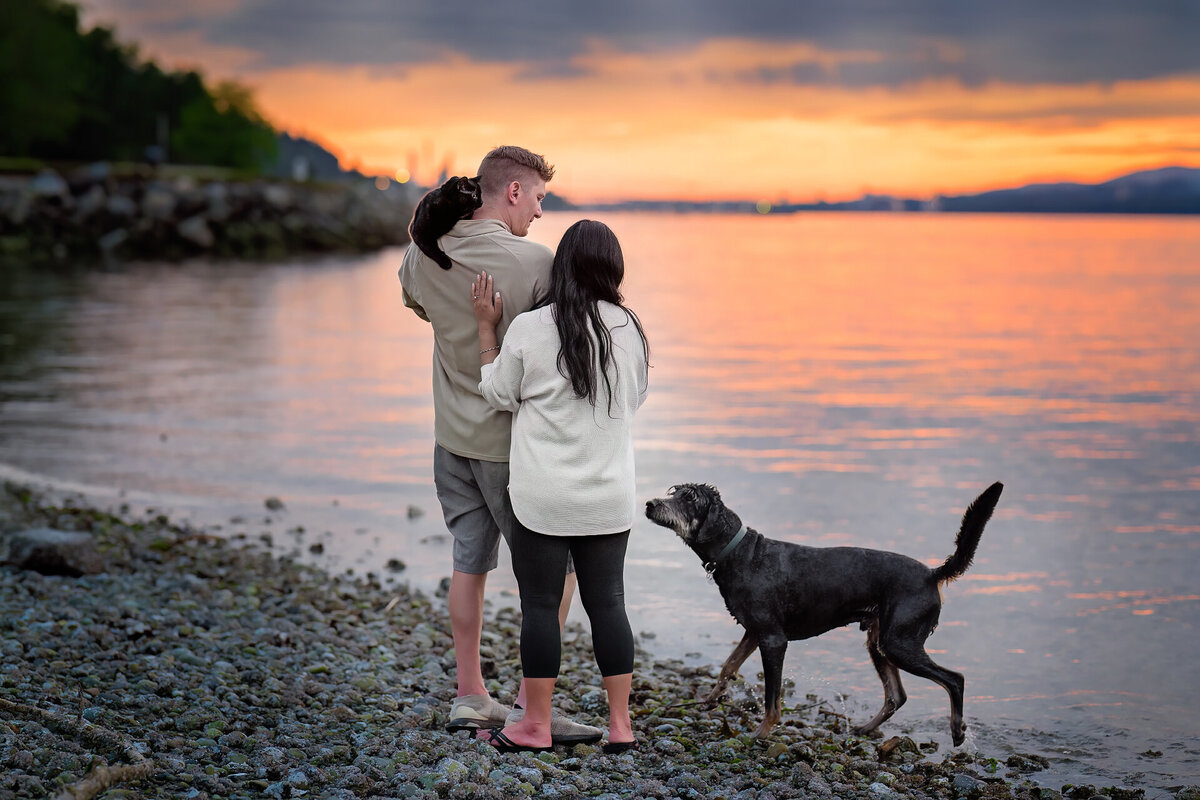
<point x="73" y="95"/>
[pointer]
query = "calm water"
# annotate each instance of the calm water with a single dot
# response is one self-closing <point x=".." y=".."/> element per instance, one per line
<point x="841" y="378"/>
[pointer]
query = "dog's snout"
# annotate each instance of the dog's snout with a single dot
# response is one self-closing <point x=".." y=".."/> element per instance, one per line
<point x="658" y="510"/>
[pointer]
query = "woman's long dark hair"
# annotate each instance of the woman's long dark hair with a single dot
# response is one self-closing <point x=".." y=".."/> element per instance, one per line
<point x="588" y="267"/>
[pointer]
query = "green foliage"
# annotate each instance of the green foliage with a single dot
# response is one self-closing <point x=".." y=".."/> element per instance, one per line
<point x="223" y="128"/>
<point x="41" y="75"/>
<point x="81" y="96"/>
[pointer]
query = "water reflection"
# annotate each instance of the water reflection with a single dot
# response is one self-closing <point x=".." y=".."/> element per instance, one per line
<point x="843" y="379"/>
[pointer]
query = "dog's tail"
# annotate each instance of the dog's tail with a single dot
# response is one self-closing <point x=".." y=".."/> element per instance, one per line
<point x="976" y="516"/>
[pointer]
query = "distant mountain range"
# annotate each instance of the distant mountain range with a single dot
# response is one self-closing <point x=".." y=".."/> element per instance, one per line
<point x="1170" y="190"/>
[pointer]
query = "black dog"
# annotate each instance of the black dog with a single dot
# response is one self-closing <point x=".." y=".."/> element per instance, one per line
<point x="437" y="212"/>
<point x="779" y="591"/>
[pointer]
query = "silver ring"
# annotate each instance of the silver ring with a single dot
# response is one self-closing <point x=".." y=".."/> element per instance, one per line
<point x="474" y="297"/>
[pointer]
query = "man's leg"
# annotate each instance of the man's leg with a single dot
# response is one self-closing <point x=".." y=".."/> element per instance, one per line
<point x="568" y="593"/>
<point x="466" y="626"/>
<point x="476" y="545"/>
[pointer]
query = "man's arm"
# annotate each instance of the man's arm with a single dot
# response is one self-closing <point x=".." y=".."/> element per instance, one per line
<point x="414" y="305"/>
<point x="407" y="273"/>
<point x="541" y="274"/>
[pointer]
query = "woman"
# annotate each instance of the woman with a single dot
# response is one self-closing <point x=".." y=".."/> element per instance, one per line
<point x="573" y="371"/>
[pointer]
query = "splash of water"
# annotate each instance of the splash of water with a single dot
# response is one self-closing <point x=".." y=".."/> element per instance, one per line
<point x="970" y="746"/>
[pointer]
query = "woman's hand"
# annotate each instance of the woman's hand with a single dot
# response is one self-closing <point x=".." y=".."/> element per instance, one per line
<point x="486" y="301"/>
<point x="487" y="304"/>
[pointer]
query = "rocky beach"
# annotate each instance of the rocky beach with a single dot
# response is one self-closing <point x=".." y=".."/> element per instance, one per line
<point x="99" y="212"/>
<point x="143" y="658"/>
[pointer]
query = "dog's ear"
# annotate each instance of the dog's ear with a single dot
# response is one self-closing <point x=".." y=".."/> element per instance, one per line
<point x="693" y="501"/>
<point x="709" y="506"/>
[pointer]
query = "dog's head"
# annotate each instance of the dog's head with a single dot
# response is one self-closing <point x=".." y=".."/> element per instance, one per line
<point x="697" y="515"/>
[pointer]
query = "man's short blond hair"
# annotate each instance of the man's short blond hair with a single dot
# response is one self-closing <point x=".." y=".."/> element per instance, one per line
<point x="509" y="163"/>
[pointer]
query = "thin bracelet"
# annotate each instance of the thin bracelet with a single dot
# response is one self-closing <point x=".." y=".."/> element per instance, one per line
<point x="490" y="349"/>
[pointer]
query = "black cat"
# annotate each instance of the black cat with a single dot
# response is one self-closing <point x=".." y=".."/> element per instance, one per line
<point x="437" y="212"/>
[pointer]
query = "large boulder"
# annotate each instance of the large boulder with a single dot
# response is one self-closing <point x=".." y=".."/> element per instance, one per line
<point x="217" y="196"/>
<point x="91" y="202"/>
<point x="195" y="230"/>
<point x="158" y="203"/>
<point x="112" y="240"/>
<point x="119" y="205"/>
<point x="54" y="552"/>
<point x="48" y="183"/>
<point x="277" y="196"/>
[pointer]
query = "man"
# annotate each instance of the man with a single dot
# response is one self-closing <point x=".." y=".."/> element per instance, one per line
<point x="470" y="461"/>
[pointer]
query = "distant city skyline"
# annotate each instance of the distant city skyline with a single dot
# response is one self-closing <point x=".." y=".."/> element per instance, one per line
<point x="695" y="99"/>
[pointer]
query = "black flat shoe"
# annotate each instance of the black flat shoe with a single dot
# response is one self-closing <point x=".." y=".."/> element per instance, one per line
<point x="619" y="747"/>
<point x="503" y="744"/>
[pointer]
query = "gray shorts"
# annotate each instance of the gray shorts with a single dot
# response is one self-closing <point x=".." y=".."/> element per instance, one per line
<point x="475" y="505"/>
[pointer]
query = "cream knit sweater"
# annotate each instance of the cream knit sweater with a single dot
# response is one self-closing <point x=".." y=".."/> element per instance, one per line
<point x="571" y="464"/>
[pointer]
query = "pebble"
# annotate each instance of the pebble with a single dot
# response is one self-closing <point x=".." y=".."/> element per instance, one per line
<point x="967" y="784"/>
<point x="55" y="552"/>
<point x="243" y="675"/>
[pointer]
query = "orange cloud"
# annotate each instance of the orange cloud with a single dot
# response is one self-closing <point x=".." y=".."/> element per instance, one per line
<point x="678" y="125"/>
<point x="696" y="122"/>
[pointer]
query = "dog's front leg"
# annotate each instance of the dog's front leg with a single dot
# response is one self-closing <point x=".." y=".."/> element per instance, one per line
<point x="772" y="649"/>
<point x="732" y="664"/>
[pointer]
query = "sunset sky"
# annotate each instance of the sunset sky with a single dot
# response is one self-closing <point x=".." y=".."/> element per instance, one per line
<point x="703" y="99"/>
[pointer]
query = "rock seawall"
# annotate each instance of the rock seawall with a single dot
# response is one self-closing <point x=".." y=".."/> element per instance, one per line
<point x="95" y="213"/>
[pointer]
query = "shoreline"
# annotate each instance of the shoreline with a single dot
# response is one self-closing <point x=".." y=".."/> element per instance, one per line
<point x="236" y="673"/>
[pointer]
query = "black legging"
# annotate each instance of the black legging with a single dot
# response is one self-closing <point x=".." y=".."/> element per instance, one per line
<point x="540" y="564"/>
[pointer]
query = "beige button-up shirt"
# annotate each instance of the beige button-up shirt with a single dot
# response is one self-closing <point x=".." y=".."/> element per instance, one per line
<point x="464" y="423"/>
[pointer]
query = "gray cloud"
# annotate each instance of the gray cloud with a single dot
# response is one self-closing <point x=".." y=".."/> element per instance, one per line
<point x="1019" y="41"/>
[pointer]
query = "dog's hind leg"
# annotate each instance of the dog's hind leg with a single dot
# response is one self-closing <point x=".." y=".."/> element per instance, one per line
<point x="893" y="690"/>
<point x="772" y="649"/>
<point x="911" y="657"/>
<point x="732" y="664"/>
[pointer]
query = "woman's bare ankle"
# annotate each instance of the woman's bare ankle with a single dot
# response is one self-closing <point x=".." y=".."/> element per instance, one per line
<point x="620" y="733"/>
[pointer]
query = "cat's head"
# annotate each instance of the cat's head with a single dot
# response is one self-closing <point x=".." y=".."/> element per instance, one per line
<point x="468" y="190"/>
